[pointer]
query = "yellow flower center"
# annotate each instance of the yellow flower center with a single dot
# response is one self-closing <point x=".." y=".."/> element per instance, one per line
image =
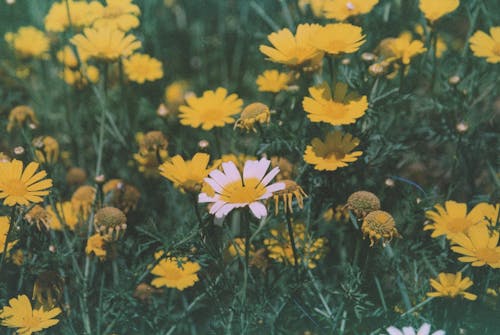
<point x="489" y="256"/>
<point x="496" y="49"/>
<point x="236" y="192"/>
<point x="15" y="188"/>
<point x="459" y="225"/>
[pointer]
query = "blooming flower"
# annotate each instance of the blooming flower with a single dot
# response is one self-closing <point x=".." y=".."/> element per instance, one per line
<point x="333" y="153"/>
<point x="379" y="225"/>
<point x="293" y="50"/>
<point x="478" y="246"/>
<point x="453" y="218"/>
<point x="82" y="14"/>
<point x="20" y="314"/>
<point x="337" y="110"/>
<point x="343" y="9"/>
<point x="256" y="112"/>
<point x="433" y="10"/>
<point x="337" y="38"/>
<point x="20" y="186"/>
<point x="140" y="67"/>
<point x="425" y="329"/>
<point x="451" y="285"/>
<point x="4" y="229"/>
<point x="486" y="46"/>
<point x="187" y="175"/>
<point x="105" y="43"/>
<point x="29" y="42"/>
<point x="309" y="250"/>
<point x="402" y="48"/>
<point x="232" y="190"/>
<point x="119" y="14"/>
<point x="273" y="81"/>
<point x="213" y="109"/>
<point x="174" y="272"/>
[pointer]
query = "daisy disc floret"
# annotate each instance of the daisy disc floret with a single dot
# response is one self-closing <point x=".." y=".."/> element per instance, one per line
<point x="212" y="109"/>
<point x="486" y="46"/>
<point x="22" y="186"/>
<point x="338" y="38"/>
<point x="333" y="153"/>
<point x="338" y="110"/>
<point x="451" y="285"/>
<point x="233" y="190"/>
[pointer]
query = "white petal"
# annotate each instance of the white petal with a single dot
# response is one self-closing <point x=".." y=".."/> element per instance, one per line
<point x="203" y="197"/>
<point x="219" y="177"/>
<point x="394" y="331"/>
<point x="270" y="176"/>
<point x="231" y="171"/>
<point x="439" y="332"/>
<point x="266" y="196"/>
<point x="217" y="188"/>
<point x="215" y="207"/>
<point x="224" y="210"/>
<point x="249" y="169"/>
<point x="258" y="209"/>
<point x="408" y="331"/>
<point x="256" y="169"/>
<point x="425" y="329"/>
<point x="275" y="187"/>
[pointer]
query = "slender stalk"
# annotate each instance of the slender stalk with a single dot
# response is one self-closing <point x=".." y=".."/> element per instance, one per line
<point x="292" y="242"/>
<point x="11" y="224"/>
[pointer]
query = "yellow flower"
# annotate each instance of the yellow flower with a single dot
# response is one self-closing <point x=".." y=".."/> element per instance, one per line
<point x="340" y="214"/>
<point x="237" y="248"/>
<point x="96" y="244"/>
<point x="402" y="48"/>
<point x="293" y="50"/>
<point x="433" y="9"/>
<point x="47" y="149"/>
<point x="4" y="229"/>
<point x="29" y="42"/>
<point x="453" y="219"/>
<point x="441" y="46"/>
<point x="20" y="115"/>
<point x="80" y="78"/>
<point x="333" y="153"/>
<point x="337" y="110"/>
<point x="379" y="225"/>
<point x="343" y="9"/>
<point x="82" y="14"/>
<point x="38" y="216"/>
<point x="20" y="314"/>
<point x="256" y="112"/>
<point x="105" y="43"/>
<point x="291" y="189"/>
<point x="478" y="246"/>
<point x="20" y="186"/>
<point x="141" y="67"/>
<point x="273" y="81"/>
<point x="486" y="46"/>
<point x="338" y="38"/>
<point x="175" y="93"/>
<point x="309" y="250"/>
<point x="82" y="200"/>
<point x="213" y="109"/>
<point x="119" y="14"/>
<point x="67" y="57"/>
<point x="174" y="272"/>
<point x="66" y="213"/>
<point x="187" y="175"/>
<point x="451" y="285"/>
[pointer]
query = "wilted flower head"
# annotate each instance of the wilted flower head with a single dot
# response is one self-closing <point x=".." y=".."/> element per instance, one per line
<point x="20" y="116"/>
<point x="379" y="225"/>
<point x="83" y="199"/>
<point x="291" y="189"/>
<point x="254" y="113"/>
<point x="363" y="202"/>
<point x="96" y="244"/>
<point x="48" y="289"/>
<point x="46" y="149"/>
<point x="121" y="195"/>
<point x="39" y="217"/>
<point x="110" y="222"/>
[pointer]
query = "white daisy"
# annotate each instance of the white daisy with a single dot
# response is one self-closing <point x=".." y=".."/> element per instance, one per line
<point x="231" y="190"/>
<point x="425" y="329"/>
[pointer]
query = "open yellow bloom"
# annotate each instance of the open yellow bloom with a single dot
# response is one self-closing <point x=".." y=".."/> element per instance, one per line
<point x="478" y="246"/>
<point x="402" y="48"/>
<point x="343" y="9"/>
<point x="337" y="38"/>
<point x="4" y="229"/>
<point x="451" y="285"/>
<point x="20" y="314"/>
<point x="337" y="110"/>
<point x="213" y="109"/>
<point x="80" y="78"/>
<point x="175" y="272"/>
<point x="433" y="10"/>
<point x="82" y="14"/>
<point x="273" y="81"/>
<point x="105" y="43"/>
<point x="140" y="67"/>
<point x="293" y="50"/>
<point x="29" y="42"/>
<point x="453" y="219"/>
<point x="486" y="46"/>
<point x="20" y="186"/>
<point x="187" y="175"/>
<point x="119" y="14"/>
<point x="333" y="153"/>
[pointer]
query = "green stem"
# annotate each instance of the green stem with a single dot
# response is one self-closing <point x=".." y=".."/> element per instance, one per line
<point x="292" y="242"/>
